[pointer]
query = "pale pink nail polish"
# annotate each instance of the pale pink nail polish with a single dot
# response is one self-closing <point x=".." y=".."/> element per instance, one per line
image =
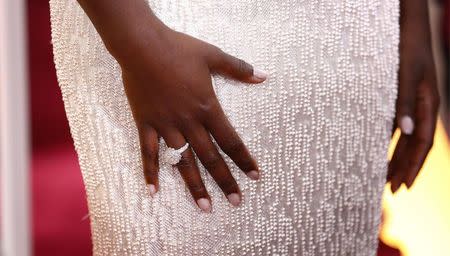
<point x="152" y="189"/>
<point x="407" y="125"/>
<point x="234" y="198"/>
<point x="204" y="204"/>
<point x="254" y="175"/>
<point x="259" y="74"/>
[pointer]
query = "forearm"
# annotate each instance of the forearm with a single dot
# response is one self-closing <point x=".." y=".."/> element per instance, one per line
<point x="121" y="22"/>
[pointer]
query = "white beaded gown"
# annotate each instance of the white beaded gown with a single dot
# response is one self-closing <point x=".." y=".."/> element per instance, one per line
<point x="319" y="128"/>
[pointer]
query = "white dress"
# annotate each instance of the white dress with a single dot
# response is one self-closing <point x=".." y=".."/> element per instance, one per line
<point x="319" y="128"/>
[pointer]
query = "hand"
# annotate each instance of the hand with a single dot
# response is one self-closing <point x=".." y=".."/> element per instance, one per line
<point x="418" y="98"/>
<point x="168" y="85"/>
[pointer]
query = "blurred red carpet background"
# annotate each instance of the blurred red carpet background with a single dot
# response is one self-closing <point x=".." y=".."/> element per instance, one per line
<point x="60" y="223"/>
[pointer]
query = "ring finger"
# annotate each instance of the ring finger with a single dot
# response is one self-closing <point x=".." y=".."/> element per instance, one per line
<point x="189" y="170"/>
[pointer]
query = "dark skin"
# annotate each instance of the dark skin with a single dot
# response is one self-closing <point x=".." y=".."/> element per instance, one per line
<point x="418" y="96"/>
<point x="167" y="80"/>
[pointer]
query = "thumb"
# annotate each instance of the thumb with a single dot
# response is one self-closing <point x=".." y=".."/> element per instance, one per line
<point x="406" y="99"/>
<point x="235" y="68"/>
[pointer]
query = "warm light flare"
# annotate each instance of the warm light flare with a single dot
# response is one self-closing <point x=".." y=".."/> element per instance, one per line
<point x="417" y="221"/>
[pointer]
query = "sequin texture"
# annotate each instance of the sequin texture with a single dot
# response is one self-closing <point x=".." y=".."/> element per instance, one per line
<point x="319" y="128"/>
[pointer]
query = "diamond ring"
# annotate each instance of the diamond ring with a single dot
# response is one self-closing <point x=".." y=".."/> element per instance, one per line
<point x="173" y="156"/>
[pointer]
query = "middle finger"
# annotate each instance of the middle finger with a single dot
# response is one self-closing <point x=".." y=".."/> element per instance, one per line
<point x="189" y="170"/>
<point x="209" y="156"/>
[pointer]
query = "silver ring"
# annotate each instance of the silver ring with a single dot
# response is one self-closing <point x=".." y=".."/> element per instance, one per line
<point x="173" y="156"/>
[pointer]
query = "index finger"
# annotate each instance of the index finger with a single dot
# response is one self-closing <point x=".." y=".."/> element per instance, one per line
<point x="231" y="144"/>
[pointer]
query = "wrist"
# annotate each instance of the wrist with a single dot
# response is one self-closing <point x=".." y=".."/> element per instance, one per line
<point x="141" y="33"/>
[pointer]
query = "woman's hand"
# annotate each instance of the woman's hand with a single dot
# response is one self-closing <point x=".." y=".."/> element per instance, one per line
<point x="418" y="98"/>
<point x="167" y="79"/>
<point x="168" y="85"/>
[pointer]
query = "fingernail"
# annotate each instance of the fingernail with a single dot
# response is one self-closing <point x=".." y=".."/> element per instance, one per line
<point x="152" y="189"/>
<point x="259" y="74"/>
<point x="234" y="198"/>
<point x="204" y="204"/>
<point x="254" y="175"/>
<point x="407" y="125"/>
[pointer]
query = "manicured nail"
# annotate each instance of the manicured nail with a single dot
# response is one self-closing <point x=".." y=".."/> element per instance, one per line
<point x="152" y="189"/>
<point x="407" y="125"/>
<point x="234" y="198"/>
<point x="259" y="74"/>
<point x="254" y="175"/>
<point x="204" y="204"/>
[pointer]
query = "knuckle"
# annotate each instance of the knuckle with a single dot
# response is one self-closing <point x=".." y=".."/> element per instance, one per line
<point x="243" y="67"/>
<point x="186" y="161"/>
<point x="228" y="184"/>
<point x="148" y="152"/>
<point x="151" y="172"/>
<point x="196" y="188"/>
<point x="422" y="98"/>
<point x="424" y="142"/>
<point x="208" y="106"/>
<point x="234" y="147"/>
<point x="183" y="120"/>
<point x="185" y="117"/>
<point x="211" y="161"/>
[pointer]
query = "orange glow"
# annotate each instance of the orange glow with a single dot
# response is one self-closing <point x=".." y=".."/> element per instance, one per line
<point x="417" y="221"/>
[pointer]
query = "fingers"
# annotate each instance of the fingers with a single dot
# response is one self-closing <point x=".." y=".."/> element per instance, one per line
<point x="148" y="139"/>
<point x="405" y="104"/>
<point x="189" y="171"/>
<point x="230" y="66"/>
<point x="212" y="160"/>
<point x="412" y="150"/>
<point x="230" y="143"/>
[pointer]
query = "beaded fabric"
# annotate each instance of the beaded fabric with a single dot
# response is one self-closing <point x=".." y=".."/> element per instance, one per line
<point x="319" y="128"/>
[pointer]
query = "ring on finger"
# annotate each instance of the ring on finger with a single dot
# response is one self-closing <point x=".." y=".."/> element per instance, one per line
<point x="173" y="156"/>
